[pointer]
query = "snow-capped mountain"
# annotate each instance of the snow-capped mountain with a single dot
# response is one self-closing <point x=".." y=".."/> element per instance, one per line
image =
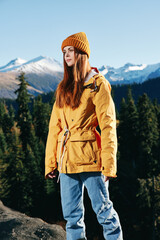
<point x="44" y="73"/>
<point x="130" y="73"/>
<point x="37" y="65"/>
<point x="12" y="64"/>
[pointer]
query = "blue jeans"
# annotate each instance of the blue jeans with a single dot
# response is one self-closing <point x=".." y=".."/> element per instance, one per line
<point x="72" y="186"/>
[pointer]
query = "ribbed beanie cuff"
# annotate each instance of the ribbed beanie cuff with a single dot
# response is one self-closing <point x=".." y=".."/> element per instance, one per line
<point x="79" y="41"/>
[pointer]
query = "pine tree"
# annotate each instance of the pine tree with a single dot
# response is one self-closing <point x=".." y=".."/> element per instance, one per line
<point x="2" y="112"/>
<point x="127" y="149"/>
<point x="122" y="133"/>
<point x="13" y="178"/>
<point x="3" y="163"/>
<point x="24" y="117"/>
<point x="41" y="115"/>
<point x="148" y="138"/>
<point x="35" y="182"/>
<point x="8" y="123"/>
<point x="30" y="146"/>
<point x="3" y="144"/>
<point x="128" y="133"/>
<point x="12" y="115"/>
<point x="157" y="111"/>
<point x="132" y="133"/>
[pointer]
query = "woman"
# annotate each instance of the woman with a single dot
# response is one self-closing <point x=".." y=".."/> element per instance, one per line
<point x="74" y="147"/>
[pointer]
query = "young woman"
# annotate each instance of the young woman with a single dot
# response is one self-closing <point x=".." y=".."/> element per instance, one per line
<point x="74" y="147"/>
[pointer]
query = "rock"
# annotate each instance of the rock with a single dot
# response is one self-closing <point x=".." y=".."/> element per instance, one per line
<point x="17" y="226"/>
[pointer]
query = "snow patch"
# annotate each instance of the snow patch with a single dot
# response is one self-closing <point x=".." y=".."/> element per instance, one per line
<point x="136" y="68"/>
<point x="12" y="64"/>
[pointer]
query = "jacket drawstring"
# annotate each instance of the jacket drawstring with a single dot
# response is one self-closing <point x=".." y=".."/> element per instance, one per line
<point x="61" y="156"/>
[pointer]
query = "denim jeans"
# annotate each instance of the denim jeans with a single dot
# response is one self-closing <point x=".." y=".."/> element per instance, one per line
<point x="72" y="186"/>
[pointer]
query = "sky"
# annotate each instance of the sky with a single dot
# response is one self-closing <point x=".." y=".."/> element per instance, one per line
<point x="119" y="31"/>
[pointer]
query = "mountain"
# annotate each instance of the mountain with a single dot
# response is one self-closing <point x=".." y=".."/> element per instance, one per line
<point x="38" y="65"/>
<point x="44" y="73"/>
<point x="130" y="73"/>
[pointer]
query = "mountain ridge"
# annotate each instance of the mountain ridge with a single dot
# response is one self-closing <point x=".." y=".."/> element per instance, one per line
<point x="44" y="73"/>
<point x="130" y="73"/>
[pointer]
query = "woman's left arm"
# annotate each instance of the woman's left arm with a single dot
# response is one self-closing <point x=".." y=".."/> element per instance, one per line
<point x="105" y="111"/>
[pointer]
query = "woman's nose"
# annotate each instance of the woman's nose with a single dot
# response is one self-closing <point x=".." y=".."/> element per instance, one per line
<point x="67" y="53"/>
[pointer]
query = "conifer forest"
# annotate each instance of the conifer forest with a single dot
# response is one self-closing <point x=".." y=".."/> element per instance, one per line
<point x="136" y="190"/>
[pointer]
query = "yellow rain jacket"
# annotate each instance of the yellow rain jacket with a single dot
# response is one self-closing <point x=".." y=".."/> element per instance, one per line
<point x="72" y="143"/>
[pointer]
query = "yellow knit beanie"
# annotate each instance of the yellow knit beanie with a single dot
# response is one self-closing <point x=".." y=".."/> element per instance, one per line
<point x="79" y="41"/>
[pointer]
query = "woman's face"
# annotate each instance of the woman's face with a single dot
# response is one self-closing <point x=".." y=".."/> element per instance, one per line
<point x="69" y="55"/>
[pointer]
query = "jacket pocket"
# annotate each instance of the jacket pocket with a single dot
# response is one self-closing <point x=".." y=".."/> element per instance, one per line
<point x="84" y="152"/>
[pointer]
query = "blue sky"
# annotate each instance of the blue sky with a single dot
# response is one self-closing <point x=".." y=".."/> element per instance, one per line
<point x="119" y="31"/>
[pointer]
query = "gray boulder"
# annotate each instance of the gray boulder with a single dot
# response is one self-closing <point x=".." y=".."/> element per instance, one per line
<point x="17" y="226"/>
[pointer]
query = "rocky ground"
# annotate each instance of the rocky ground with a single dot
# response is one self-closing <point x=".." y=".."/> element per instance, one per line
<point x="18" y="226"/>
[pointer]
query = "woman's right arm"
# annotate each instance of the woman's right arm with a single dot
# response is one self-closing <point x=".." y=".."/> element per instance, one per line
<point x="52" y="139"/>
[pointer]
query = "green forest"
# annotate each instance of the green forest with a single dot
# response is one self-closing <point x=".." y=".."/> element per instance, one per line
<point x="136" y="190"/>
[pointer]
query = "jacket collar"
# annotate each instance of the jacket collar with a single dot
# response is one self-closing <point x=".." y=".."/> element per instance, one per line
<point x="92" y="73"/>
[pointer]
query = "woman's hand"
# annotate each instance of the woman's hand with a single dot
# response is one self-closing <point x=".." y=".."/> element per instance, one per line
<point x="52" y="174"/>
<point x="106" y="178"/>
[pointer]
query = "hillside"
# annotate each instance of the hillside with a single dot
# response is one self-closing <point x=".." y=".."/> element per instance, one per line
<point x="150" y="87"/>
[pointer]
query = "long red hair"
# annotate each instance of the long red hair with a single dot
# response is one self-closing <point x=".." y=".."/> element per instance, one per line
<point x="70" y="89"/>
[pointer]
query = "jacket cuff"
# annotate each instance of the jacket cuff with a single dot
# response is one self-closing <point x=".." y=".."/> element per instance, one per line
<point x="108" y="173"/>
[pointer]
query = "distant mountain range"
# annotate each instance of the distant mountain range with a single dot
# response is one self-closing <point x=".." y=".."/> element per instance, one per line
<point x="44" y="73"/>
<point x="130" y="73"/>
